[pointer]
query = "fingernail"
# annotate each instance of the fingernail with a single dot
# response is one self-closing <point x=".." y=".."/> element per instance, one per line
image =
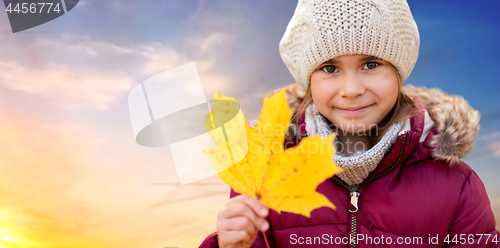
<point x="263" y="211"/>
<point x="264" y="226"/>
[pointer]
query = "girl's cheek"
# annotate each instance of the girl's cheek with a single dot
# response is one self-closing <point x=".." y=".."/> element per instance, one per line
<point x="322" y="100"/>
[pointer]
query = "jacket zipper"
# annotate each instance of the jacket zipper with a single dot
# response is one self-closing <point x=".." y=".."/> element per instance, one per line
<point x="355" y="194"/>
<point x="354" y="201"/>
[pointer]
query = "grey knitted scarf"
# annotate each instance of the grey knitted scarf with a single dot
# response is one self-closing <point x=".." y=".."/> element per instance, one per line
<point x="361" y="163"/>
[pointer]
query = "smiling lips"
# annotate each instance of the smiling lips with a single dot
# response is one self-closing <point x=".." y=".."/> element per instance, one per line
<point x="354" y="110"/>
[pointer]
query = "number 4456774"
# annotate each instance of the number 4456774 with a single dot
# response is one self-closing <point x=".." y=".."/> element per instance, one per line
<point x="32" y="8"/>
<point x="471" y="238"/>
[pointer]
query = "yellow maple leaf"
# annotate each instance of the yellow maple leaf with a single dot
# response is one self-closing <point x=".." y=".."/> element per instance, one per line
<point x="254" y="162"/>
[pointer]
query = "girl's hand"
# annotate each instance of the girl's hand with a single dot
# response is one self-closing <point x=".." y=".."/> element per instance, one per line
<point x="240" y="220"/>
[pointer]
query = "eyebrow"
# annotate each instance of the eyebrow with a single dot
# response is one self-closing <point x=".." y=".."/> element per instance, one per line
<point x="364" y="59"/>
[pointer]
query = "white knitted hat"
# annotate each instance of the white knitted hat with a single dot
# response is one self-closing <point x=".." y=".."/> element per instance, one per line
<point x="321" y="30"/>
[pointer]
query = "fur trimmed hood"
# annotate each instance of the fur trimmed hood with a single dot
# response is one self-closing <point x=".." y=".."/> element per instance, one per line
<point x="456" y="121"/>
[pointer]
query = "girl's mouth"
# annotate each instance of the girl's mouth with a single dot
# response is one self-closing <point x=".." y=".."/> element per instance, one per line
<point x="355" y="110"/>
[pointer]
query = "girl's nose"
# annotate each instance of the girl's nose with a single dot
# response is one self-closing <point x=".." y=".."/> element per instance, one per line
<point x="352" y="86"/>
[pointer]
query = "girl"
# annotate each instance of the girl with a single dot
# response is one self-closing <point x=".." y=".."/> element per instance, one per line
<point x="403" y="183"/>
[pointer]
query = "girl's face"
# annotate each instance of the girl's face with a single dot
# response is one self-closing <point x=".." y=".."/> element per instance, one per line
<point x="355" y="92"/>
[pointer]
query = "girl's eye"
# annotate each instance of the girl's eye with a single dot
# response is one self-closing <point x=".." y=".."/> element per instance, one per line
<point x="371" y="65"/>
<point x="329" y="69"/>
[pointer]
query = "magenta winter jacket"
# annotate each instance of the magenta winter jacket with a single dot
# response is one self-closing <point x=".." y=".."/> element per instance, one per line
<point x="414" y="198"/>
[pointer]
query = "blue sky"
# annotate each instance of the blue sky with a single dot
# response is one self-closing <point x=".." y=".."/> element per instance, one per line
<point x="65" y="83"/>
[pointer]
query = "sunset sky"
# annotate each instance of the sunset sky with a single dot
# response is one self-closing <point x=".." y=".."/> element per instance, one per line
<point x="71" y="172"/>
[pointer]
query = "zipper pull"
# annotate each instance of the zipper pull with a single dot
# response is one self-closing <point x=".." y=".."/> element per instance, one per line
<point x="354" y="201"/>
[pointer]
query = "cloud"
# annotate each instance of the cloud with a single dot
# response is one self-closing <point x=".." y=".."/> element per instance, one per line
<point x="73" y="71"/>
<point x="214" y="42"/>
<point x="493" y="141"/>
<point x="67" y="87"/>
<point x="495" y="148"/>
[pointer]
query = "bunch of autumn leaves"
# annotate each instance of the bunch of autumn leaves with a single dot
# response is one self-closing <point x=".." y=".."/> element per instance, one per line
<point x="254" y="162"/>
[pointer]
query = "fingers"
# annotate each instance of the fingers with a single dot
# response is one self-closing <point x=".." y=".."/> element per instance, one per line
<point x="234" y="237"/>
<point x="240" y="220"/>
<point x="251" y="202"/>
<point x="240" y="223"/>
<point x="249" y="207"/>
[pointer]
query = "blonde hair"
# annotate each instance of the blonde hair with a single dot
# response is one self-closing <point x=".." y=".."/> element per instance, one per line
<point x="404" y="108"/>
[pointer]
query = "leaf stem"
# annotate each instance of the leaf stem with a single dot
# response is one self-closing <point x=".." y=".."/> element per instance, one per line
<point x="265" y="239"/>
